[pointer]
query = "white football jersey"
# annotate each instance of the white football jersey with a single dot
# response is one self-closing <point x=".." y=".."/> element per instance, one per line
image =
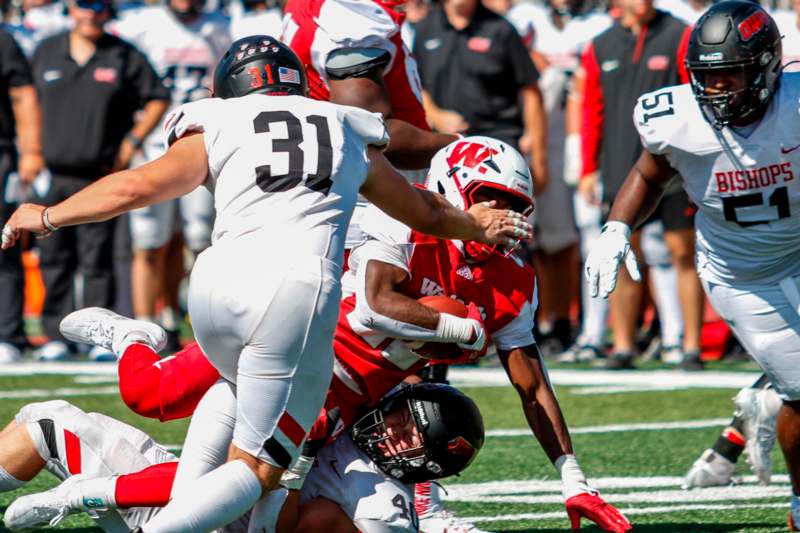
<point x="787" y="22"/>
<point x="183" y="55"/>
<point x="682" y="10"/>
<point x="746" y="188"/>
<point x="288" y="164"/>
<point x="373" y="500"/>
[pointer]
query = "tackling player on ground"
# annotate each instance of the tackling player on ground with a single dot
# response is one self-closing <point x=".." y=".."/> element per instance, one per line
<point x="732" y="136"/>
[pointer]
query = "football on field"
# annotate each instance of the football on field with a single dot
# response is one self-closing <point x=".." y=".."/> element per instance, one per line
<point x="442" y="350"/>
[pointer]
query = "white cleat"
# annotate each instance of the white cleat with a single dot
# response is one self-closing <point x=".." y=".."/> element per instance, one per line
<point x="710" y="470"/>
<point x="444" y="521"/>
<point x="107" y="329"/>
<point x="758" y="409"/>
<point x="47" y="508"/>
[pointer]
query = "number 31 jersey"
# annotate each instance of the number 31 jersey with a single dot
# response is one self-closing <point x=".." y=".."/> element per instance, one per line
<point x="746" y="184"/>
<point x="288" y="165"/>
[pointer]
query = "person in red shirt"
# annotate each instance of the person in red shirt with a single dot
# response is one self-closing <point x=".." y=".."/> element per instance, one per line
<point x="354" y="55"/>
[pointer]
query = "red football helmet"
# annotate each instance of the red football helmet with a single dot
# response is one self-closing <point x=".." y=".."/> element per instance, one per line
<point x="464" y="167"/>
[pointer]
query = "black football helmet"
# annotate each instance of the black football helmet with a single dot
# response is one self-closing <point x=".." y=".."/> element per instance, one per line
<point x="449" y="423"/>
<point x="259" y="64"/>
<point x="734" y="34"/>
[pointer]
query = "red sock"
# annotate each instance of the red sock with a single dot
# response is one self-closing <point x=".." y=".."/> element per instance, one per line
<point x="139" y="380"/>
<point x="150" y="487"/>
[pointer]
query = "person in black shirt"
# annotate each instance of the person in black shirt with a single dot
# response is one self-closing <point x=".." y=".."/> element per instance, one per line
<point x="19" y="115"/>
<point x="90" y="84"/>
<point x="478" y="79"/>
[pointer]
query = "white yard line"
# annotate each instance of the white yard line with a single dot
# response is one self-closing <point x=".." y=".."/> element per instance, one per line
<point x="630" y="511"/>
<point x="711" y="494"/>
<point x="641" y="379"/>
<point x="58" y="393"/>
<point x="536" y="486"/>
<point x="612" y="428"/>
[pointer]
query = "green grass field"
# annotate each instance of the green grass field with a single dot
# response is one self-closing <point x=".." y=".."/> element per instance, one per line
<point x="636" y="468"/>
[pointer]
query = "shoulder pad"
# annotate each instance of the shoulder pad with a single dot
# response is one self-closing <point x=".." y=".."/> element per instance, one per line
<point x="663" y="114"/>
<point x="351" y="22"/>
<point x="355" y="62"/>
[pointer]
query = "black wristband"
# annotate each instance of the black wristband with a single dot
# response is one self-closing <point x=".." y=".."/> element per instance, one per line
<point x="134" y="139"/>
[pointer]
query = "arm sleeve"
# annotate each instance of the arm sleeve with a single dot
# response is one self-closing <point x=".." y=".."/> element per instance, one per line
<point x="346" y="63"/>
<point x="14" y="68"/>
<point x="525" y="72"/>
<point x="370" y="126"/>
<point x="683" y="48"/>
<point x="591" y="112"/>
<point x="145" y="81"/>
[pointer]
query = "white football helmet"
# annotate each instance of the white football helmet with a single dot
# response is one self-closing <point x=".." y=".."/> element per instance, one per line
<point x="465" y="166"/>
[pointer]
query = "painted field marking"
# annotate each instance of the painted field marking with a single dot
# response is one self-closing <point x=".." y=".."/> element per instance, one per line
<point x="630" y="511"/>
<point x="613" y="428"/>
<point x="58" y="393"/>
<point x="534" y="486"/>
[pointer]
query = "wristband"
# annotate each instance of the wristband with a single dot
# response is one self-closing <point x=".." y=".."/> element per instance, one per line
<point x="573" y="482"/>
<point x="618" y="227"/>
<point x="46" y="221"/>
<point x="135" y="140"/>
<point x="294" y="477"/>
<point x="454" y="329"/>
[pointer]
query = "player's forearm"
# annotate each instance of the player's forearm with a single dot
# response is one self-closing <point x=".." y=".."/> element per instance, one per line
<point x="102" y="200"/>
<point x="535" y="121"/>
<point x="27" y="116"/>
<point x="637" y="198"/>
<point x="446" y="220"/>
<point x="539" y="402"/>
<point x="412" y="148"/>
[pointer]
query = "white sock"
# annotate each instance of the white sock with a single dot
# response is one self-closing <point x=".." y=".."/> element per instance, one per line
<point x="264" y="517"/>
<point x="216" y="499"/>
<point x="665" y="293"/>
<point x="9" y="482"/>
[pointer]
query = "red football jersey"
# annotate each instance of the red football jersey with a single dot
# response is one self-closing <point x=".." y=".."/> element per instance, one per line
<point x="503" y="288"/>
<point x="315" y="28"/>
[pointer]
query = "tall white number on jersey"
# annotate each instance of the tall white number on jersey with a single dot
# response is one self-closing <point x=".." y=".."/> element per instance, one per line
<point x="286" y="163"/>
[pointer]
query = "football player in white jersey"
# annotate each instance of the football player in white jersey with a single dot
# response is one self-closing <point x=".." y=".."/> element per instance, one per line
<point x="184" y="44"/>
<point x="363" y="478"/>
<point x="264" y="297"/>
<point x="732" y="136"/>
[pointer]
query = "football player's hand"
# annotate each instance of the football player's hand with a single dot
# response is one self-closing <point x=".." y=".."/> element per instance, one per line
<point x="446" y="121"/>
<point x="480" y="339"/>
<point x="27" y="217"/>
<point x="500" y="226"/>
<point x="590" y="505"/>
<point x="29" y="166"/>
<point x="607" y="253"/>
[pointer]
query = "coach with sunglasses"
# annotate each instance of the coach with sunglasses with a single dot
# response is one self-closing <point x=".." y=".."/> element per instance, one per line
<point x="91" y="85"/>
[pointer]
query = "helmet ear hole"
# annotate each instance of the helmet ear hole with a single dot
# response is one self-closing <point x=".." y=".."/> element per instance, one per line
<point x="440" y="187"/>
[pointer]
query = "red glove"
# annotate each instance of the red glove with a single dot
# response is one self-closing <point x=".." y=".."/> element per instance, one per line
<point x="593" y="507"/>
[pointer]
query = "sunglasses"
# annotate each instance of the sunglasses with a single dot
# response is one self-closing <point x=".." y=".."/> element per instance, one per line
<point x="98" y="6"/>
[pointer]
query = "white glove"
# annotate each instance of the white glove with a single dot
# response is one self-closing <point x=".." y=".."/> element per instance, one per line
<point x="611" y="248"/>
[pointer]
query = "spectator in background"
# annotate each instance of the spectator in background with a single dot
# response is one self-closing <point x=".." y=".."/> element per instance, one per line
<point x="416" y="10"/>
<point x="686" y="10"/>
<point x="478" y="79"/>
<point x="788" y="21"/>
<point x="19" y="117"/>
<point x="556" y="35"/>
<point x="184" y="44"/>
<point x="641" y="52"/>
<point x="255" y="17"/>
<point x="90" y="85"/>
<point x="39" y="19"/>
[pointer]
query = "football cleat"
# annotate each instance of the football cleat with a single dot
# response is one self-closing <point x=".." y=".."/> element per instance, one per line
<point x="47" y="508"/>
<point x="107" y="329"/>
<point x="710" y="470"/>
<point x="53" y="351"/>
<point x="580" y="354"/>
<point x="756" y="408"/>
<point x="443" y="521"/>
<point x="9" y="353"/>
